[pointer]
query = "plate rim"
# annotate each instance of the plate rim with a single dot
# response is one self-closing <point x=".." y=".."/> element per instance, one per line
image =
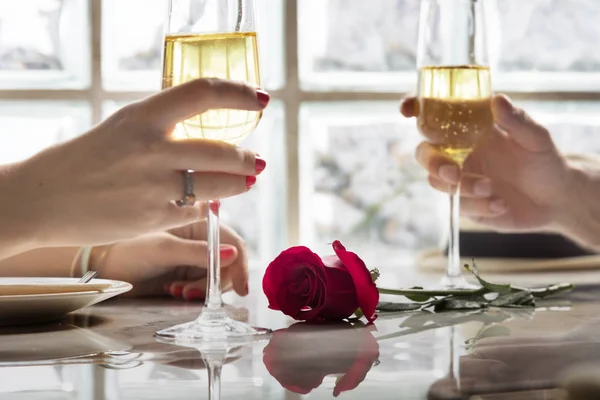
<point x="118" y="288"/>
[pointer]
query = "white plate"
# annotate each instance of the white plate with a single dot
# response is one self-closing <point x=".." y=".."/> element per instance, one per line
<point x="27" y="308"/>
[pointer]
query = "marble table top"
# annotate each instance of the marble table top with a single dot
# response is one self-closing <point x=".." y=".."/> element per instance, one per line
<point x="108" y="351"/>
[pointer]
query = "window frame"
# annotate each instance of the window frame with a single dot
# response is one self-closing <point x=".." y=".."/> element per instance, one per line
<point x="292" y="96"/>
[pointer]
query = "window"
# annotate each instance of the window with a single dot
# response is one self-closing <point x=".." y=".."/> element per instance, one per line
<point x="340" y="157"/>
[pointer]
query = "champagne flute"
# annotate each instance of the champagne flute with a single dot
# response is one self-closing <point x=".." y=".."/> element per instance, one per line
<point x="216" y="39"/>
<point x="454" y="94"/>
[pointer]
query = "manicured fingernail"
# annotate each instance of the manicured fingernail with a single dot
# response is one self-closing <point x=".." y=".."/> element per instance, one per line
<point x="246" y="288"/>
<point x="263" y="97"/>
<point x="483" y="188"/>
<point x="498" y="206"/>
<point x="176" y="290"/>
<point x="214" y="206"/>
<point x="260" y="165"/>
<point x="250" y="180"/>
<point x="226" y="251"/>
<point x="449" y="173"/>
<point x="194" y="294"/>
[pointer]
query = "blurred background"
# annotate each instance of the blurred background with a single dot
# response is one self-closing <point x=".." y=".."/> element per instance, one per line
<point x="341" y="162"/>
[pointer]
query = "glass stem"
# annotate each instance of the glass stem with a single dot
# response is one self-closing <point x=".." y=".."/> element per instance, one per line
<point x="453" y="269"/>
<point x="214" y="378"/>
<point x="214" y="299"/>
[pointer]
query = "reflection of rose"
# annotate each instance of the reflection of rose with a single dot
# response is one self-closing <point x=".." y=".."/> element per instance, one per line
<point x="305" y="287"/>
<point x="300" y="356"/>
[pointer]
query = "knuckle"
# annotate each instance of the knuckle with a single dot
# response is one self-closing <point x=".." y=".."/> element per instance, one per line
<point x="248" y="160"/>
<point x="137" y="135"/>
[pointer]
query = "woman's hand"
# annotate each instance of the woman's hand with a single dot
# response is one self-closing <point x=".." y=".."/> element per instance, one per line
<point x="174" y="262"/>
<point x="515" y="179"/>
<point x="120" y="179"/>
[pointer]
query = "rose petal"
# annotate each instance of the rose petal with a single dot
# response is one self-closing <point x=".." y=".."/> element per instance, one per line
<point x="283" y="270"/>
<point x="368" y="353"/>
<point x="366" y="291"/>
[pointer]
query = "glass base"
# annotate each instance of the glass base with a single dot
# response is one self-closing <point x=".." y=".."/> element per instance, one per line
<point x="207" y="330"/>
<point x="457" y="282"/>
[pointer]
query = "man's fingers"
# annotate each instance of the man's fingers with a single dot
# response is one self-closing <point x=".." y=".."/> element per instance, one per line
<point x="482" y="208"/>
<point x="167" y="108"/>
<point x="409" y="107"/>
<point x="437" y="164"/>
<point x="473" y="186"/>
<point x="520" y="126"/>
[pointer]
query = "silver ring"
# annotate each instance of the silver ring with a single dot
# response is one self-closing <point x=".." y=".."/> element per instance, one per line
<point x="189" y="198"/>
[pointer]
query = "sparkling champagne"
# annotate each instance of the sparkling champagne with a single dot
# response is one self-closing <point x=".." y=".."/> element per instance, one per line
<point x="454" y="107"/>
<point x="228" y="56"/>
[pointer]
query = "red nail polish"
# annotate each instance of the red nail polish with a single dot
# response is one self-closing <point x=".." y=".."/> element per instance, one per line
<point x="246" y="288"/>
<point x="194" y="294"/>
<point x="263" y="97"/>
<point x="260" y="165"/>
<point x="226" y="251"/>
<point x="250" y="180"/>
<point x="176" y="290"/>
<point x="214" y="206"/>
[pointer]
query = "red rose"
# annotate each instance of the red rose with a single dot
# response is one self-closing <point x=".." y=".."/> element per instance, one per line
<point x="301" y="356"/>
<point x="302" y="285"/>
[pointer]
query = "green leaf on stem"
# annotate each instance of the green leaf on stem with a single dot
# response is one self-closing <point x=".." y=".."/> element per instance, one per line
<point x="397" y="307"/>
<point x="359" y="313"/>
<point x="461" y="303"/>
<point x="375" y="274"/>
<point x="523" y="298"/>
<point x="492" y="287"/>
<point x="419" y="298"/>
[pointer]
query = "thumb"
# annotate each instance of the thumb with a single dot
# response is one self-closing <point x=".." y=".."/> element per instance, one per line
<point x="409" y="107"/>
<point x="520" y="126"/>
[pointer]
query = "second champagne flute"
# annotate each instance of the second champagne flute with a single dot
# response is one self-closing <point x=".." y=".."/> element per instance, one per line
<point x="212" y="39"/>
<point x="454" y="94"/>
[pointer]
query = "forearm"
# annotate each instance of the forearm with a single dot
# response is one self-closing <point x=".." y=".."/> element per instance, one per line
<point x="580" y="218"/>
<point x="17" y="231"/>
<point x="51" y="262"/>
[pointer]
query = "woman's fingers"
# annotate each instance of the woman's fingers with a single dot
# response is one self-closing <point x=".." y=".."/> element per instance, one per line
<point x="212" y="155"/>
<point x="234" y="254"/>
<point x="196" y="290"/>
<point x="207" y="185"/>
<point x="176" y="251"/>
<point x="165" y="109"/>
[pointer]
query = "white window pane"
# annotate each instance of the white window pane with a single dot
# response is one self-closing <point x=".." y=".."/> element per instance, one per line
<point x="44" y="44"/>
<point x="546" y="44"/>
<point x="349" y="44"/>
<point x="259" y="215"/>
<point x="361" y="184"/>
<point x="30" y="126"/>
<point x="132" y="44"/>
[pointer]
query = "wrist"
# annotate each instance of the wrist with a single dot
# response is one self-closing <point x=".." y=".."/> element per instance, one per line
<point x="579" y="216"/>
<point x="98" y="256"/>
